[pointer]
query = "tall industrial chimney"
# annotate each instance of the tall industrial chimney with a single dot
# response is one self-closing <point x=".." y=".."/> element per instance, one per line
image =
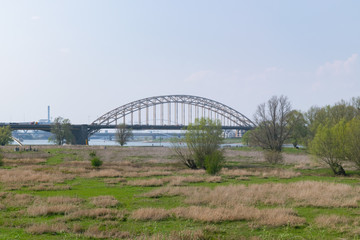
<point x="48" y="114"/>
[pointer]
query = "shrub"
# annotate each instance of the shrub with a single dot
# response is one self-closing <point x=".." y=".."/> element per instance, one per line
<point x="273" y="157"/>
<point x="203" y="138"/>
<point x="214" y="162"/>
<point x="96" y="162"/>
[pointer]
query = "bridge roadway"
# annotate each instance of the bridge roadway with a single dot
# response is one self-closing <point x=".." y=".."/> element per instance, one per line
<point x="82" y="132"/>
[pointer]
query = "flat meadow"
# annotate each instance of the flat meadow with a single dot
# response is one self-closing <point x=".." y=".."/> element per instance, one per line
<point x="145" y="193"/>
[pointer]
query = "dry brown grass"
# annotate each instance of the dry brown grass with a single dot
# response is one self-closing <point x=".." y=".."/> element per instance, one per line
<point x="97" y="213"/>
<point x="304" y="193"/>
<point x="95" y="232"/>
<point x="265" y="173"/>
<point x="269" y="217"/>
<point x="155" y="214"/>
<point x="44" y="210"/>
<point x="23" y="161"/>
<point x="339" y="223"/>
<point x="112" y="181"/>
<point x="176" y="235"/>
<point x="192" y="171"/>
<point x="46" y="228"/>
<point x="9" y="153"/>
<point x="153" y="182"/>
<point x="3" y="195"/>
<point x="104" y="201"/>
<point x="26" y="177"/>
<point x="181" y="180"/>
<point x="265" y="217"/>
<point x="151" y="173"/>
<point x="332" y="221"/>
<point x="49" y="187"/>
<point x="77" y="228"/>
<point x="18" y="200"/>
<point x="319" y="194"/>
<point x="103" y="173"/>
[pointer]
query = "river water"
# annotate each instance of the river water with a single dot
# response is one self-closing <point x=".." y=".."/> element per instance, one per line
<point x="96" y="142"/>
<point x="102" y="142"/>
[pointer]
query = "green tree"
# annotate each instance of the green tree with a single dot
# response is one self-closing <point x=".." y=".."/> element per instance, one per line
<point x="203" y="138"/>
<point x="355" y="102"/>
<point x="123" y="134"/>
<point x="61" y="130"/>
<point x="299" y="128"/>
<point x="5" y="135"/>
<point x="352" y="141"/>
<point x="330" y="115"/>
<point x="329" y="144"/>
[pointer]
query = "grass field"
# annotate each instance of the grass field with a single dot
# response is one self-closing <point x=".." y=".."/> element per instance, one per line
<point x="144" y="193"/>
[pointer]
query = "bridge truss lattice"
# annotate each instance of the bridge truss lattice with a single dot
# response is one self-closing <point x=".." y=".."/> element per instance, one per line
<point x="178" y="110"/>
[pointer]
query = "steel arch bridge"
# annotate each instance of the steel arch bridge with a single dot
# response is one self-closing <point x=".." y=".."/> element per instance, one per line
<point x="173" y="110"/>
<point x="170" y="112"/>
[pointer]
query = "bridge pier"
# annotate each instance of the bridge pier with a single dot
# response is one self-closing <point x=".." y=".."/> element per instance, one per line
<point x="81" y="134"/>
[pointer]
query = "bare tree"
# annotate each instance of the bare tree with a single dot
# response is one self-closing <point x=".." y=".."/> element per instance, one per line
<point x="123" y="134"/>
<point x="273" y="124"/>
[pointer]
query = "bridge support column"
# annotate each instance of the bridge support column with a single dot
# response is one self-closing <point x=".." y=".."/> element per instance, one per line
<point x="81" y="135"/>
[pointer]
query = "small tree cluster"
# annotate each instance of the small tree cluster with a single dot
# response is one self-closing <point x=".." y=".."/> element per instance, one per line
<point x="201" y="148"/>
<point x="334" y="135"/>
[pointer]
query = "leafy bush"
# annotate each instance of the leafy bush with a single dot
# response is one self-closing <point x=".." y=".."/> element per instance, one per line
<point x="203" y="138"/>
<point x="273" y="157"/>
<point x="214" y="162"/>
<point x="96" y="162"/>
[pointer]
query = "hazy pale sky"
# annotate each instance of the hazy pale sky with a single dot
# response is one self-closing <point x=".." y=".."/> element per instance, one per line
<point x="85" y="58"/>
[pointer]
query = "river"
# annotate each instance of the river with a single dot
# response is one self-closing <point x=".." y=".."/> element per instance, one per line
<point x="102" y="142"/>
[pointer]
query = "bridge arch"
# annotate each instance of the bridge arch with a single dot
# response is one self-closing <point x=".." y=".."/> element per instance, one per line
<point x="191" y="107"/>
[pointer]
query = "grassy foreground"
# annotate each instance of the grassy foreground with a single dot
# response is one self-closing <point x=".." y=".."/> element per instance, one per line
<point x="143" y="193"/>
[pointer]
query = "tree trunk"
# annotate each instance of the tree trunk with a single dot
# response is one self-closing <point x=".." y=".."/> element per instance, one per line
<point x="338" y="170"/>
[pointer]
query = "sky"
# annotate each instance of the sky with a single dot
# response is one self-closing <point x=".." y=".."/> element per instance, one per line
<point x="84" y="58"/>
